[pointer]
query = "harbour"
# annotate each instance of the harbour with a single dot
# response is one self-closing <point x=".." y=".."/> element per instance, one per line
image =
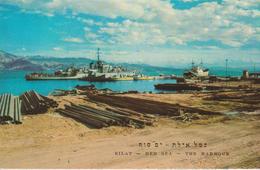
<point x="123" y="106"/>
<point x="129" y="84"/>
<point x="10" y="80"/>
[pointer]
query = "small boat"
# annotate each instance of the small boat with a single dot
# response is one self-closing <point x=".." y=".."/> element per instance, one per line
<point x="36" y="77"/>
<point x="68" y="74"/>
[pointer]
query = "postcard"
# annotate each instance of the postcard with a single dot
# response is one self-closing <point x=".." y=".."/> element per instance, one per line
<point x="129" y="84"/>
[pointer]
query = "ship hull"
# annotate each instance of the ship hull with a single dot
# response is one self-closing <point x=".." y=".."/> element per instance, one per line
<point x="144" y="78"/>
<point x="103" y="79"/>
<point x="123" y="79"/>
<point x="50" y="78"/>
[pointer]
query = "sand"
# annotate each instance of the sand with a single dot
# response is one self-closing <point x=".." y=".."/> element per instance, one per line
<point x="53" y="141"/>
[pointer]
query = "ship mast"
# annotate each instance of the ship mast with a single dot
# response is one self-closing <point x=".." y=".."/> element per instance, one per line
<point x="226" y="71"/>
<point x="192" y="64"/>
<point x="98" y="55"/>
<point x="201" y="62"/>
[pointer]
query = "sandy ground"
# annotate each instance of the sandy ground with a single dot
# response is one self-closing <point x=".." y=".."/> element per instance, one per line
<point x="53" y="141"/>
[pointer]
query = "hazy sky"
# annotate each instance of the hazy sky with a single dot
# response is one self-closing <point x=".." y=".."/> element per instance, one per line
<point x="166" y="33"/>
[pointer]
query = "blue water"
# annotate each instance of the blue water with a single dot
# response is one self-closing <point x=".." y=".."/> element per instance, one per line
<point x="14" y="82"/>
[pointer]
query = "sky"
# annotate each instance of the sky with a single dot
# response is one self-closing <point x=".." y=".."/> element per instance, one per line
<point x="156" y="32"/>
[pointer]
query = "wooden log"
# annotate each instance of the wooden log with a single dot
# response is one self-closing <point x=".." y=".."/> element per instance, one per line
<point x="33" y="103"/>
<point x="123" y="117"/>
<point x="1" y="103"/>
<point x="3" y="114"/>
<point x="89" y="114"/>
<point x="27" y="104"/>
<point x="3" y="99"/>
<point x="19" y="114"/>
<point x="119" y="119"/>
<point x="12" y="107"/>
<point x="102" y="112"/>
<point x="31" y="100"/>
<point x="146" y="106"/>
<point x="86" y="120"/>
<point x="118" y="111"/>
<point x="141" y="117"/>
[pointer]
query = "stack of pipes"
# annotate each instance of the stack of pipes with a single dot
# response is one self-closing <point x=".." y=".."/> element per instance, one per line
<point x="10" y="109"/>
<point x="103" y="118"/>
<point x="34" y="103"/>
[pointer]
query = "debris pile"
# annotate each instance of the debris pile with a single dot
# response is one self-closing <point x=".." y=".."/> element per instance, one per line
<point x="10" y="109"/>
<point x="186" y="117"/>
<point x="91" y="89"/>
<point x="103" y="118"/>
<point x="34" y="103"/>
<point x="86" y="87"/>
<point x="60" y="92"/>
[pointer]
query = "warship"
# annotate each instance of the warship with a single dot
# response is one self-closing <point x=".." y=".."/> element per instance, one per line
<point x="97" y="71"/>
<point x="100" y="71"/>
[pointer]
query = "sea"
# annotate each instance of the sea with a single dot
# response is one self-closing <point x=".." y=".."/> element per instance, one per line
<point x="14" y="82"/>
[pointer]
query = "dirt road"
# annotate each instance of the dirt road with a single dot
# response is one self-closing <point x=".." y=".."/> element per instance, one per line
<point x="53" y="141"/>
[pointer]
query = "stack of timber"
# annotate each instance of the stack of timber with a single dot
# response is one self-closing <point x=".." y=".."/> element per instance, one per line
<point x="247" y="97"/>
<point x="10" y="109"/>
<point x="103" y="118"/>
<point x="178" y="86"/>
<point x="148" y="106"/>
<point x="34" y="103"/>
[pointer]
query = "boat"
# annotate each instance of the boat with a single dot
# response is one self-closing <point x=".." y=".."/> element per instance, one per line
<point x="196" y="72"/>
<point x="67" y="74"/>
<point x="31" y="77"/>
<point x="100" y="71"/>
<point x="70" y="73"/>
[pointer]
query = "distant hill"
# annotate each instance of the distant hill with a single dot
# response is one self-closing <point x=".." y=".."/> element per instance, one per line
<point x="6" y="58"/>
<point x="40" y="63"/>
<point x="59" y="63"/>
<point x="153" y="70"/>
<point x="12" y="62"/>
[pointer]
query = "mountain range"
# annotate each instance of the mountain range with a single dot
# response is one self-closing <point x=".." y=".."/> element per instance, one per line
<point x="40" y="63"/>
<point x="12" y="62"/>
